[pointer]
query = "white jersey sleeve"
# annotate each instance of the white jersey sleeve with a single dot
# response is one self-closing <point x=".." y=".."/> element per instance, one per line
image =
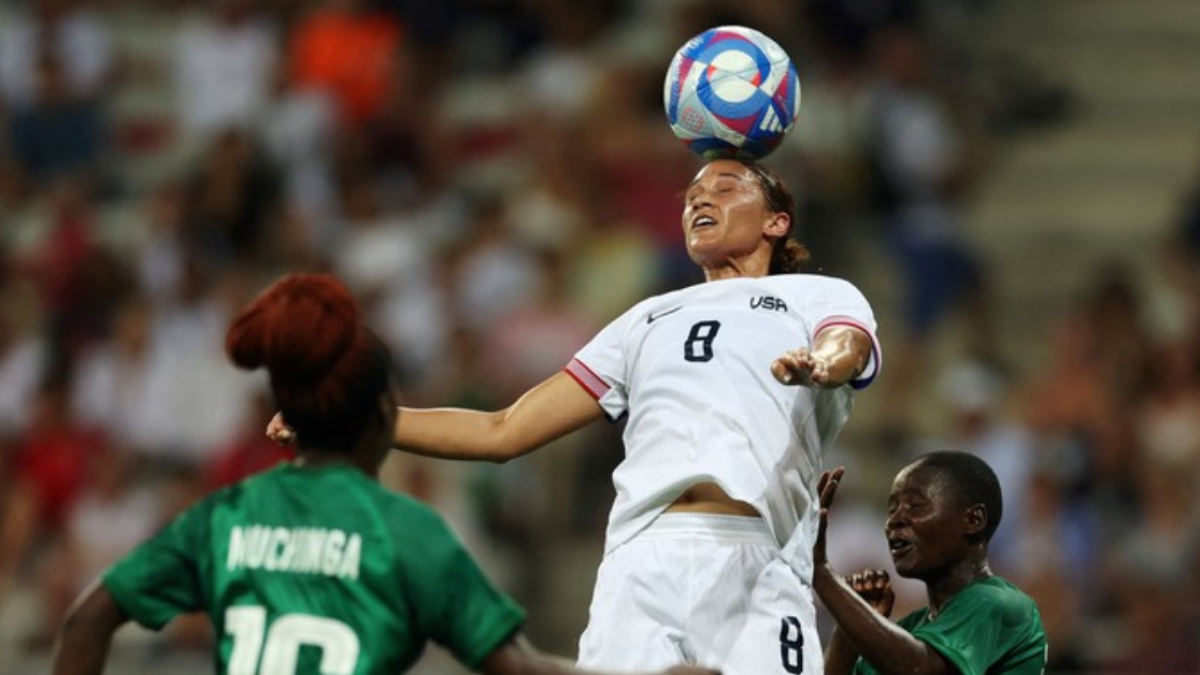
<point x="601" y="366"/>
<point x="836" y="302"/>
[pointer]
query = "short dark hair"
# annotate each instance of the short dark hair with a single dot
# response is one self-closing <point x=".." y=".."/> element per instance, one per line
<point x="972" y="481"/>
<point x="789" y="255"/>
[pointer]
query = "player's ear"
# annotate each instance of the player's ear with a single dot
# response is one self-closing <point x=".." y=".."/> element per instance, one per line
<point x="386" y="407"/>
<point x="778" y="225"/>
<point x="976" y="519"/>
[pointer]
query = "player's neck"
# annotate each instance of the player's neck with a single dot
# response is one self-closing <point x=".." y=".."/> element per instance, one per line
<point x="947" y="585"/>
<point x="748" y="268"/>
<point x="357" y="460"/>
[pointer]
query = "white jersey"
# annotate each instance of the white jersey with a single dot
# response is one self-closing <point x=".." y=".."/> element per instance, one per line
<point x="692" y="368"/>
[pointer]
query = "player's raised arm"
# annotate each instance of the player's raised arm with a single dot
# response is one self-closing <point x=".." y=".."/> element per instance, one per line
<point x="548" y="411"/>
<point x="862" y="629"/>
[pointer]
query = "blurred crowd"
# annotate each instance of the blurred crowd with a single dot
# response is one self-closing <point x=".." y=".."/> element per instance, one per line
<point x="496" y="181"/>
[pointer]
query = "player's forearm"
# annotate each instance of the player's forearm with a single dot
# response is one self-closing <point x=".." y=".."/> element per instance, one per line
<point x="87" y="633"/>
<point x="840" y="655"/>
<point x="886" y="646"/>
<point x="845" y="350"/>
<point x="454" y="433"/>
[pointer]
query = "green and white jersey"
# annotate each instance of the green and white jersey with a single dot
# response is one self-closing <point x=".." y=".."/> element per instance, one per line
<point x="316" y="569"/>
<point x="990" y="628"/>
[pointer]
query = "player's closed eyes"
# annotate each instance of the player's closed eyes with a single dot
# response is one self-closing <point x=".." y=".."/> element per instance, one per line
<point x="911" y="507"/>
<point x="718" y="189"/>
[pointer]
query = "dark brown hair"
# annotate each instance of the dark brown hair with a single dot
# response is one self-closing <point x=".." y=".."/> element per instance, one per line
<point x="327" y="370"/>
<point x="788" y="255"/>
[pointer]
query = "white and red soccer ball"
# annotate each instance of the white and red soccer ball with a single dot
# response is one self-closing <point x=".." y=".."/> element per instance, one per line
<point x="731" y="92"/>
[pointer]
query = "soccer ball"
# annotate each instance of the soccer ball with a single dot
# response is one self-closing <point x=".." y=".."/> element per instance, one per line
<point x="731" y="93"/>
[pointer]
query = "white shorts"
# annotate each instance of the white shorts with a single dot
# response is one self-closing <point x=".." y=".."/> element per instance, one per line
<point x="704" y="589"/>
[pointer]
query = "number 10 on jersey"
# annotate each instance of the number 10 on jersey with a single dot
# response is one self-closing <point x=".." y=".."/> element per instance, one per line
<point x="258" y="650"/>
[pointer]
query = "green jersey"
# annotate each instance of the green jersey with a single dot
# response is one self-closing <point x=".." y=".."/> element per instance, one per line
<point x="316" y="569"/>
<point x="988" y="628"/>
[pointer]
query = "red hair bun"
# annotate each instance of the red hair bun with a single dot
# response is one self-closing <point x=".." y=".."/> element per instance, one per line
<point x="298" y="329"/>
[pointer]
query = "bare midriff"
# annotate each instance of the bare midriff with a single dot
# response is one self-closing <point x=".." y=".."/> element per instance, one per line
<point x="710" y="498"/>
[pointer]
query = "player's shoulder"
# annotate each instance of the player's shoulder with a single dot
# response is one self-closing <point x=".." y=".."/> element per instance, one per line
<point x="817" y="291"/>
<point x="654" y="306"/>
<point x="1009" y="604"/>
<point x="411" y="526"/>
<point x="400" y="505"/>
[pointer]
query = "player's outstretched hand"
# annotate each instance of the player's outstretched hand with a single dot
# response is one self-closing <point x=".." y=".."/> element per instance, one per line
<point x="692" y="670"/>
<point x="800" y="366"/>
<point x="278" y="432"/>
<point x="874" y="586"/>
<point x="827" y="489"/>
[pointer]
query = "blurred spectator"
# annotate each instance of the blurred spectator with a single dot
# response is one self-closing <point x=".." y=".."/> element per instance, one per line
<point x="1116" y="307"/>
<point x="49" y="466"/>
<point x="1079" y="423"/>
<point x="78" y="279"/>
<point x="112" y="392"/>
<point x="350" y="50"/>
<point x="60" y="30"/>
<point x="387" y="259"/>
<point x="492" y="273"/>
<point x="1156" y="634"/>
<point x="844" y="30"/>
<point x="160" y="253"/>
<point x="1055" y="556"/>
<point x="559" y="74"/>
<point x="298" y="132"/>
<point x="57" y="133"/>
<point x="614" y="265"/>
<point x="225" y="64"/>
<point x="550" y="202"/>
<point x="230" y="199"/>
<point x="826" y="163"/>
<point x="25" y="357"/>
<point x="921" y="168"/>
<point x="1168" y="421"/>
<point x="636" y="165"/>
<point x="409" y="143"/>
<point x="187" y="375"/>
<point x="540" y="337"/>
<point x="1167" y="538"/>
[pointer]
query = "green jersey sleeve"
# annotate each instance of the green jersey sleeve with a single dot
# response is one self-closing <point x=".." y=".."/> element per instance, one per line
<point x="458" y="607"/>
<point x="161" y="578"/>
<point x="989" y="627"/>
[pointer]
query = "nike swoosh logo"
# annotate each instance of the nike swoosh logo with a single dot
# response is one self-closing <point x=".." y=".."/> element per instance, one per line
<point x="655" y="317"/>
